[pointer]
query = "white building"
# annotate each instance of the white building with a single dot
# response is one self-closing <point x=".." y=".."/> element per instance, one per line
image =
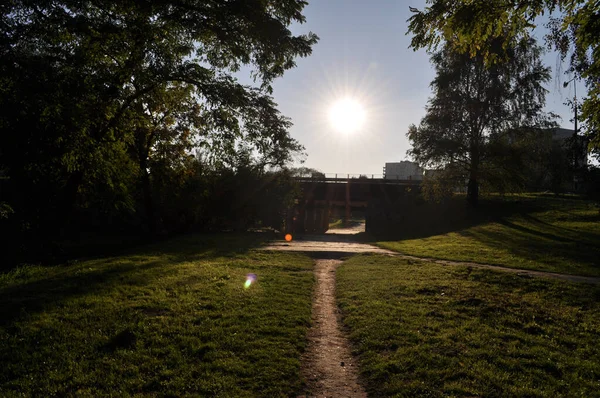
<point x="403" y="170"/>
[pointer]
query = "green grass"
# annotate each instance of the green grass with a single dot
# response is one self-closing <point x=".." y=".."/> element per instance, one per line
<point x="170" y="319"/>
<point x="427" y="330"/>
<point x="339" y="223"/>
<point x="540" y="232"/>
<point x="336" y="224"/>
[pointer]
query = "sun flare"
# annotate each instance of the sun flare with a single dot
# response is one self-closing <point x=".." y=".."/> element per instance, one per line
<point x="347" y="115"/>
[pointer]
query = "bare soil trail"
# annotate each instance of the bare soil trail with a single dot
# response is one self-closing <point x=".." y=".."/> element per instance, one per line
<point x="328" y="368"/>
<point x="327" y="365"/>
<point x="341" y="243"/>
<point x="519" y="271"/>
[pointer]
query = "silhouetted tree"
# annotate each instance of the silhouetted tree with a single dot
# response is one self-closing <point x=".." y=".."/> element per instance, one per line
<point x="473" y="110"/>
<point x="308" y="172"/>
<point x="97" y="96"/>
<point x="476" y="27"/>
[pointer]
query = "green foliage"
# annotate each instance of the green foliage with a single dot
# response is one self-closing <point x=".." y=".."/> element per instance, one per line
<point x="102" y="103"/>
<point x="473" y="27"/>
<point x="248" y="197"/>
<point x="308" y="172"/>
<point x="5" y="210"/>
<point x="429" y="330"/>
<point x="478" y="112"/>
<point x="591" y="178"/>
<point x="531" y="161"/>
<point x="558" y="165"/>
<point x="439" y="186"/>
<point x="165" y="320"/>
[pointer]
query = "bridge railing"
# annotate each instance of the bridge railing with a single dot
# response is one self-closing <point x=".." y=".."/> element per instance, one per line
<point x="346" y="176"/>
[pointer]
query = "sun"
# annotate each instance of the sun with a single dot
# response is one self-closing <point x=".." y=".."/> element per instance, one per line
<point x="347" y="115"/>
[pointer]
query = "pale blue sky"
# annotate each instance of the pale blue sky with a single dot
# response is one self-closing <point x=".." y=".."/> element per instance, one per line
<point x="363" y="52"/>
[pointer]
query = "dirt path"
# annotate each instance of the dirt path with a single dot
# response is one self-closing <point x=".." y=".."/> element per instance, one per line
<point x="524" y="272"/>
<point x="327" y="365"/>
<point x="343" y="245"/>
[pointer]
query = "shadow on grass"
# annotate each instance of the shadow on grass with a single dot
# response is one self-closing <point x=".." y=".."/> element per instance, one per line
<point x="430" y="219"/>
<point x="555" y="231"/>
<point x="549" y="249"/>
<point x="581" y="218"/>
<point x="532" y="232"/>
<point x="568" y="218"/>
<point x="423" y="219"/>
<point x="138" y="266"/>
<point x="23" y="299"/>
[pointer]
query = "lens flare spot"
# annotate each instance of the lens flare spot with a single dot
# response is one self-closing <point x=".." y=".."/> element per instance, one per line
<point x="288" y="237"/>
<point x="250" y="279"/>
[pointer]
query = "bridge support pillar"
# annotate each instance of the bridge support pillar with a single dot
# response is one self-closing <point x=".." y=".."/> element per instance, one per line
<point x="300" y="219"/>
<point x="347" y="212"/>
<point x="309" y="220"/>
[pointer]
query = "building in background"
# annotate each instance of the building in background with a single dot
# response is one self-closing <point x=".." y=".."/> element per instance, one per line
<point x="403" y="170"/>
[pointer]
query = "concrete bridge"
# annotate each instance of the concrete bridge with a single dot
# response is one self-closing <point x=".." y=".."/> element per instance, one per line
<point x="371" y="195"/>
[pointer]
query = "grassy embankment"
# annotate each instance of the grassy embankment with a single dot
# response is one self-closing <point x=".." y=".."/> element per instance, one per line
<point x="336" y="224"/>
<point x="540" y="232"/>
<point x="170" y="319"/>
<point x="422" y="329"/>
<point x="339" y="223"/>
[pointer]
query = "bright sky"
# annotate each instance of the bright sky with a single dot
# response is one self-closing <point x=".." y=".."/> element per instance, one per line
<point x="363" y="54"/>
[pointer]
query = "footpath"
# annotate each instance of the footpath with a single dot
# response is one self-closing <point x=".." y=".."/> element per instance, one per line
<point x="328" y="367"/>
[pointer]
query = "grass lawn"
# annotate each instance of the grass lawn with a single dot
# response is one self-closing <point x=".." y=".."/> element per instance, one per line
<point x="557" y="234"/>
<point x="169" y="319"/>
<point x="422" y="329"/>
<point x="339" y="223"/>
<point x="336" y="224"/>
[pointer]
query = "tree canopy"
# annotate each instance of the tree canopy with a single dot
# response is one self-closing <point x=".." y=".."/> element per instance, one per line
<point x="476" y="27"/>
<point x="477" y="112"/>
<point x="99" y="100"/>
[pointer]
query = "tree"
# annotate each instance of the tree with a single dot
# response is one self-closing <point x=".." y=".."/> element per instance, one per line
<point x="97" y="97"/>
<point x="308" y="172"/>
<point x="81" y="82"/>
<point x="474" y="111"/>
<point x="476" y="27"/>
<point x="164" y="126"/>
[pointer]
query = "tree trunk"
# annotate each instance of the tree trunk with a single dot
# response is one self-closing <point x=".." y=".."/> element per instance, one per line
<point x="143" y="142"/>
<point x="473" y="191"/>
<point x="473" y="185"/>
